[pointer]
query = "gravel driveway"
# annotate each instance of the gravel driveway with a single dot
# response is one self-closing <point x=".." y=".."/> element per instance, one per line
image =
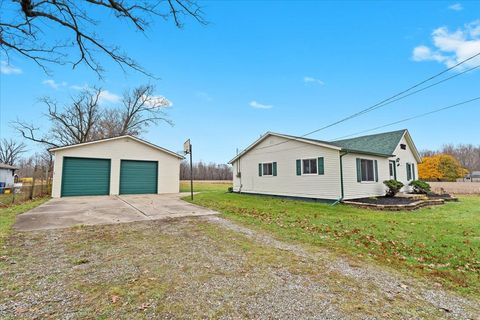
<point x="202" y="267"/>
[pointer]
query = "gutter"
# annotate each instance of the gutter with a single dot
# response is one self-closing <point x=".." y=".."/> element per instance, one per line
<point x="341" y="179"/>
<point x="368" y="153"/>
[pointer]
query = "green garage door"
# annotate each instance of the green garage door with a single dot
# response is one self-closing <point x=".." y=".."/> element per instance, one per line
<point x="85" y="177"/>
<point x="138" y="177"/>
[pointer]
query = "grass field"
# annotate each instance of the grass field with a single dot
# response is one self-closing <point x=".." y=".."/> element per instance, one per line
<point x="203" y="186"/>
<point x="441" y="243"/>
<point x="7" y="216"/>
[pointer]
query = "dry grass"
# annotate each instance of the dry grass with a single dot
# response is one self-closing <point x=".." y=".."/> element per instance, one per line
<point x="456" y="187"/>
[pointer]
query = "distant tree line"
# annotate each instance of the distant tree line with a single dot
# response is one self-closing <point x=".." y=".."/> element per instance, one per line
<point x="467" y="154"/>
<point x="206" y="171"/>
<point x="38" y="165"/>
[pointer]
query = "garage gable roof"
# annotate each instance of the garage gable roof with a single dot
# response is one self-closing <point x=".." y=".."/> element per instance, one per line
<point x="118" y="138"/>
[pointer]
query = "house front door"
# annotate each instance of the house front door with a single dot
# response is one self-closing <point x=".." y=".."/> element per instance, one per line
<point x="393" y="170"/>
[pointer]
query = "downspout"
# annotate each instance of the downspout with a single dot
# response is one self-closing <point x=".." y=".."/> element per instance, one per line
<point x="239" y="170"/>
<point x="342" y="190"/>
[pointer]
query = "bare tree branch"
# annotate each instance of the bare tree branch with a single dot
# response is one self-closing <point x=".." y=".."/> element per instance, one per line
<point x="26" y="31"/>
<point x="84" y="119"/>
<point x="10" y="151"/>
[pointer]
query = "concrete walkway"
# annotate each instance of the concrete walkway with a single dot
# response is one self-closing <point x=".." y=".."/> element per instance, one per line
<point x="96" y="210"/>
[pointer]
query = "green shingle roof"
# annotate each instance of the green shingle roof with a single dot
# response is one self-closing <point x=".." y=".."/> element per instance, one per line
<point x="381" y="143"/>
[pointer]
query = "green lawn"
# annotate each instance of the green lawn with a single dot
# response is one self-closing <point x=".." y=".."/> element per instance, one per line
<point x="7" y="216"/>
<point x="203" y="186"/>
<point x="440" y="242"/>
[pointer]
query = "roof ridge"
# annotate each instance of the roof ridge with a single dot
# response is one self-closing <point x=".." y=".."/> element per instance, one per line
<point x="370" y="135"/>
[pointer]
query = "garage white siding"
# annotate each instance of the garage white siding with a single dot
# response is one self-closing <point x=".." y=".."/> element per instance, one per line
<point x="125" y="148"/>
<point x="287" y="183"/>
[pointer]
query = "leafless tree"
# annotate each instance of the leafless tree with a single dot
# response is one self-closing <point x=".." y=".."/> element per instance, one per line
<point x="39" y="165"/>
<point x="84" y="119"/>
<point x="140" y="109"/>
<point x="428" y="153"/>
<point x="72" y="124"/>
<point x="11" y="150"/>
<point x="45" y="30"/>
<point x="467" y="154"/>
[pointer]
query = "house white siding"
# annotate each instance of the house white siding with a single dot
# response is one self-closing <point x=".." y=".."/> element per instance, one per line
<point x="271" y="148"/>
<point x="122" y="149"/>
<point x="354" y="189"/>
<point x="287" y="182"/>
<point x="405" y="156"/>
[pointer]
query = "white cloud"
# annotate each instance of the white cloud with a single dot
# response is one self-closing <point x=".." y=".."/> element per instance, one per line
<point x="159" y="101"/>
<point x="53" y="84"/>
<point x="257" y="105"/>
<point x="6" y="68"/>
<point x="107" y="96"/>
<point x="313" y="80"/>
<point x="80" y="87"/>
<point x="452" y="47"/>
<point x="456" y="7"/>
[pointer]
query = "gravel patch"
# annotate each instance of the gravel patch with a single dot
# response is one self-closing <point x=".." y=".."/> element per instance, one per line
<point x="205" y="267"/>
<point x="391" y="284"/>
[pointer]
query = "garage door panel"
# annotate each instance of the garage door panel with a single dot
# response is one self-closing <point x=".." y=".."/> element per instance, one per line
<point x="138" y="177"/>
<point x="85" y="176"/>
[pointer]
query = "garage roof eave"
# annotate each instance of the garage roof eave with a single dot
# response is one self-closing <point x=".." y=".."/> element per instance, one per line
<point x="118" y="138"/>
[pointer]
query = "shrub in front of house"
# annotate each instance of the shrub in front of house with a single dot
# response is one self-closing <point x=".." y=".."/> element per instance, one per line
<point x="420" y="186"/>
<point x="393" y="186"/>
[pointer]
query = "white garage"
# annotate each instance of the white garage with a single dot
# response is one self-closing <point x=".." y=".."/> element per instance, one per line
<point x="120" y="165"/>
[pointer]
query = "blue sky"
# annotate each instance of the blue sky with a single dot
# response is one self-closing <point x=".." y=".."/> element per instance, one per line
<point x="288" y="67"/>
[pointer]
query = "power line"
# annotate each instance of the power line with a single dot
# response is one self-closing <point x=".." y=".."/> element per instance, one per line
<point x="382" y="126"/>
<point x="410" y="118"/>
<point x="394" y="98"/>
<point x="427" y="87"/>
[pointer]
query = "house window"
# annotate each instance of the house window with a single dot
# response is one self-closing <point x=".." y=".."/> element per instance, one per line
<point x="410" y="171"/>
<point x="309" y="166"/>
<point x="368" y="170"/>
<point x="268" y="169"/>
<point x="403" y="146"/>
<point x="392" y="169"/>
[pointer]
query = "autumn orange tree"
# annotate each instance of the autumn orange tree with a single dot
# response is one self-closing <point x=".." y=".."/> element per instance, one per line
<point x="440" y="167"/>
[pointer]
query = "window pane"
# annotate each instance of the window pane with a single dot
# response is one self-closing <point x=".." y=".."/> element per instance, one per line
<point x="368" y="173"/>
<point x="267" y="169"/>
<point x="306" y="166"/>
<point x="364" y="170"/>
<point x="309" y="166"/>
<point x="313" y="165"/>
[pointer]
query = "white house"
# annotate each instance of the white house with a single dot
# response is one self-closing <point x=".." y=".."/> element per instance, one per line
<point x="120" y="165"/>
<point x="7" y="176"/>
<point x="284" y="165"/>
